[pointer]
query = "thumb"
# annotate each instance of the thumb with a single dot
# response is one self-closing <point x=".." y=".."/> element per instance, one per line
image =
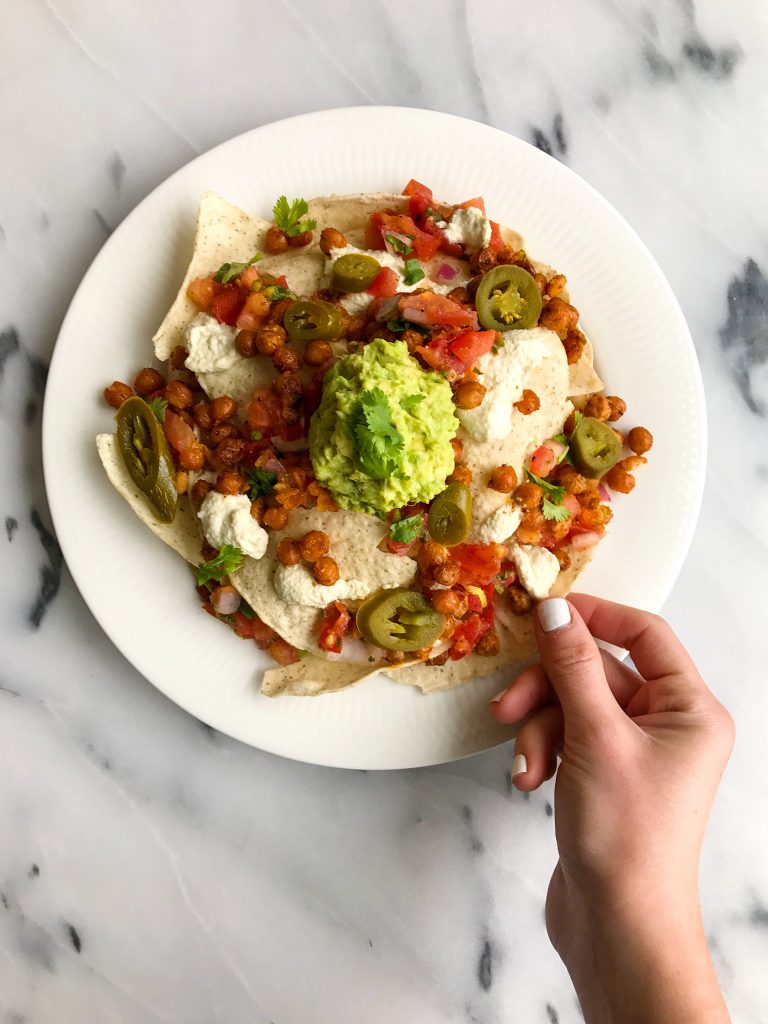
<point x="572" y="661"/>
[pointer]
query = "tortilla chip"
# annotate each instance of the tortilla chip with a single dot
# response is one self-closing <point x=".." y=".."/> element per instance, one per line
<point x="582" y="376"/>
<point x="312" y="677"/>
<point x="183" y="534"/>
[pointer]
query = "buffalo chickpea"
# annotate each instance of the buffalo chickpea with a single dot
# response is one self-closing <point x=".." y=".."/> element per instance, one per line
<point x="556" y="286"/>
<point x="148" y="380"/>
<point x="117" y="393"/>
<point x="314" y="545"/>
<point x="618" y="407"/>
<point x="640" y="440"/>
<point x="289" y="551"/>
<point x="222" y="408"/>
<point x="469" y="394"/>
<point x="220" y="431"/>
<point x="592" y="518"/>
<point x="290" y="497"/>
<point x="569" y="478"/>
<point x="285" y="360"/>
<point x="528" y="403"/>
<point x="277" y="313"/>
<point x="458" y="448"/>
<point x="269" y="338"/>
<point x="519" y="601"/>
<point x="529" y="495"/>
<point x="326" y="571"/>
<point x="276" y="241"/>
<point x="619" y="479"/>
<point x="330" y="238"/>
<point x="229" y="481"/>
<point x="488" y="644"/>
<point x="432" y="554"/>
<point x="559" y="316"/>
<point x="178" y="394"/>
<point x="590" y="498"/>
<point x="483" y="261"/>
<point x="461" y="475"/>
<point x="202" y="415"/>
<point x="230" y="451"/>
<point x="178" y="357"/>
<point x="182" y="481"/>
<point x="503" y="479"/>
<point x="541" y="281"/>
<point x="300" y="240"/>
<point x="317" y="352"/>
<point x="598" y="407"/>
<point x="574" y="344"/>
<point x="200" y="490"/>
<point x="276" y="518"/>
<point x="192" y="457"/>
<point x="245" y="343"/>
<point x="448" y="602"/>
<point x="394" y="657"/>
<point x="447" y="574"/>
<point x="527" y="532"/>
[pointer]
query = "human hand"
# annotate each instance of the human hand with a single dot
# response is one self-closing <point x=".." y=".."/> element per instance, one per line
<point x="642" y="754"/>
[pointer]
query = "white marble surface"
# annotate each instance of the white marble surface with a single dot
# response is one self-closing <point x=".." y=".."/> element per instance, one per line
<point x="151" y="870"/>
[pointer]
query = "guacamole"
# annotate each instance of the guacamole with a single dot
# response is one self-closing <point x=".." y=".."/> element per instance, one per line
<point x="381" y="437"/>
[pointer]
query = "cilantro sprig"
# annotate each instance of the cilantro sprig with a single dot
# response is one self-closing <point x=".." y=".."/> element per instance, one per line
<point x="228" y="560"/>
<point x="552" y="503"/>
<point x="288" y="216"/>
<point x="228" y="271"/>
<point x="158" y="406"/>
<point x="410" y="403"/>
<point x="405" y="531"/>
<point x="398" y="326"/>
<point x="412" y="272"/>
<point x="380" y="445"/>
<point x="276" y="292"/>
<point x="262" y="482"/>
<point x="565" y="439"/>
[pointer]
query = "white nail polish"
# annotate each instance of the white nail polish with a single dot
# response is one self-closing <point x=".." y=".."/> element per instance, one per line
<point x="519" y="765"/>
<point x="497" y="698"/>
<point x="554" y="613"/>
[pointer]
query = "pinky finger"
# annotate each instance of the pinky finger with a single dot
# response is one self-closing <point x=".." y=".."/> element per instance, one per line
<point x="536" y="748"/>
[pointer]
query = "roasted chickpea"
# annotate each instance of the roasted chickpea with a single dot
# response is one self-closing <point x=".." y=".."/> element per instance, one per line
<point x="568" y="477"/>
<point x="483" y="261"/>
<point x="488" y="644"/>
<point x="229" y="481"/>
<point x="461" y="475"/>
<point x="598" y="407"/>
<point x="395" y="657"/>
<point x="519" y="600"/>
<point x="619" y="479"/>
<point x="276" y="518"/>
<point x="230" y="451"/>
<point x="192" y="457"/>
<point x="314" y="545"/>
<point x="285" y="360"/>
<point x="529" y="495"/>
<point x="632" y="462"/>
<point x="290" y="390"/>
<point x="317" y="352"/>
<point x="299" y="241"/>
<point x="277" y="313"/>
<point x="447" y="574"/>
<point x="503" y="479"/>
<point x="117" y="393"/>
<point x="458" y="448"/>
<point x="276" y="241"/>
<point x="200" y="489"/>
<point x="178" y="395"/>
<point x="449" y="602"/>
<point x="269" y="338"/>
<point x="290" y="497"/>
<point x="289" y="551"/>
<point x="431" y="554"/>
<point x="460" y="294"/>
<point x="469" y="394"/>
<point x="618" y="407"/>
<point x="640" y="440"/>
<point x="529" y="402"/>
<point x="182" y="481"/>
<point x="245" y="343"/>
<point x="529" y="530"/>
<point x="590" y="498"/>
<point x="330" y="239"/>
<point x="223" y="408"/>
<point x="326" y="571"/>
<point x="556" y="285"/>
<point x="202" y="415"/>
<point x="148" y="380"/>
<point x="208" y="551"/>
<point x="439" y="659"/>
<point x="178" y="357"/>
<point x="559" y="316"/>
<point x="220" y="431"/>
<point x="573" y="344"/>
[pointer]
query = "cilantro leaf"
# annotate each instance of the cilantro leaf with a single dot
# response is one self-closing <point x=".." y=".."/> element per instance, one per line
<point x="380" y="445"/>
<point x="158" y="406"/>
<point x="288" y="216"/>
<point x="410" y="403"/>
<point x="405" y="531"/>
<point x="413" y="271"/>
<point x="401" y="248"/>
<point x="228" y="271"/>
<point x="560" y="438"/>
<point x="262" y="482"/>
<point x="228" y="560"/>
<point x="552" y="511"/>
<point x="256" y="435"/>
<point x="578" y="416"/>
<point x="276" y="292"/>
<point x="398" y="326"/>
<point x="554" y="493"/>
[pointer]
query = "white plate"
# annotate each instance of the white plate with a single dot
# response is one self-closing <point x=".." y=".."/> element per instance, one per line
<point x="142" y="594"/>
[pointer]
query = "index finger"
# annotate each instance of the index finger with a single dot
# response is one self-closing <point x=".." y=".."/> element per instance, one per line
<point x="651" y="642"/>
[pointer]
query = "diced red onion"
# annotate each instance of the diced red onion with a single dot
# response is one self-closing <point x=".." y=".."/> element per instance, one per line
<point x="406" y="241"/>
<point x="602" y="490"/>
<point x="446" y="272"/>
<point x="225" y="600"/>
<point x="274" y="466"/>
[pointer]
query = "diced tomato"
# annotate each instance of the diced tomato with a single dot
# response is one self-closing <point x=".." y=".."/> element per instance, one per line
<point x="262" y="633"/>
<point x="226" y="303"/>
<point x="430" y="310"/>
<point x="480" y="563"/>
<point x="424" y="245"/>
<point x="415" y="188"/>
<point x="507" y="575"/>
<point x="178" y="433"/>
<point x="335" y="622"/>
<point x="542" y="461"/>
<point x="282" y="281"/>
<point x="201" y="292"/>
<point x="417" y="207"/>
<point x="283" y="652"/>
<point x="242" y="625"/>
<point x="263" y="412"/>
<point x="438" y="355"/>
<point x="469" y="346"/>
<point x="384" y="285"/>
<point x="248" y="277"/>
<point x="477" y="202"/>
<point x="468" y="633"/>
<point x="251" y="316"/>
<point x="497" y="242"/>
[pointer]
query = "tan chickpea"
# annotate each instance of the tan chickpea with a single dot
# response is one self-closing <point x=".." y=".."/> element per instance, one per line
<point x="276" y="241"/>
<point x="529" y="402"/>
<point x="178" y="357"/>
<point x="459" y="294"/>
<point x="619" y="479"/>
<point x="182" y="481"/>
<point x="447" y="574"/>
<point x="559" y="316"/>
<point x="529" y="530"/>
<point x="590" y="498"/>
<point x="314" y="545"/>
<point x="469" y="394"/>
<point x="640" y="440"/>
<point x="395" y="657"/>
<point x="192" y="457"/>
<point x="439" y="659"/>
<point x="245" y="343"/>
<point x="483" y="261"/>
<point x="569" y="478"/>
<point x="202" y="415"/>
<point x="448" y="602"/>
<point x="503" y="479"/>
<point x="458" y="448"/>
<point x="518" y="600"/>
<point x="317" y="352"/>
<point x="326" y="571"/>
<point x="117" y="393"/>
<point x="632" y="462"/>
<point x="220" y="431"/>
<point x="529" y="495"/>
<point x="148" y="380"/>
<point x="574" y="344"/>
<point x="269" y="338"/>
<point x="229" y="481"/>
<point x="277" y="313"/>
<point x="461" y="475"/>
<point x="222" y="408"/>
<point x="330" y="239"/>
<point x="488" y="644"/>
<point x="285" y="360"/>
<point x="289" y="551"/>
<point x="598" y="407"/>
<point x="230" y="451"/>
<point x="178" y="394"/>
<point x="431" y="554"/>
<point x="290" y="497"/>
<point x="556" y="286"/>
<point x="199" y="492"/>
<point x="618" y="407"/>
<point x="299" y="241"/>
<point x="276" y="518"/>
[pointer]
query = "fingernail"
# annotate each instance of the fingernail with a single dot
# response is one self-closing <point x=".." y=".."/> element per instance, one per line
<point x="497" y="698"/>
<point x="519" y="765"/>
<point x="554" y="613"/>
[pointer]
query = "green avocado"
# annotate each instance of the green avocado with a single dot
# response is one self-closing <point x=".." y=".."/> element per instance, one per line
<point x="381" y="437"/>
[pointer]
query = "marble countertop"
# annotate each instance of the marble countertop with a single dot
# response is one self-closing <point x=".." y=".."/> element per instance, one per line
<point x="152" y="870"/>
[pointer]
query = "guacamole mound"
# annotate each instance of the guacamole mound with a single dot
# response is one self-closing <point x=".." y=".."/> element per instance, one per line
<point x="381" y="437"/>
